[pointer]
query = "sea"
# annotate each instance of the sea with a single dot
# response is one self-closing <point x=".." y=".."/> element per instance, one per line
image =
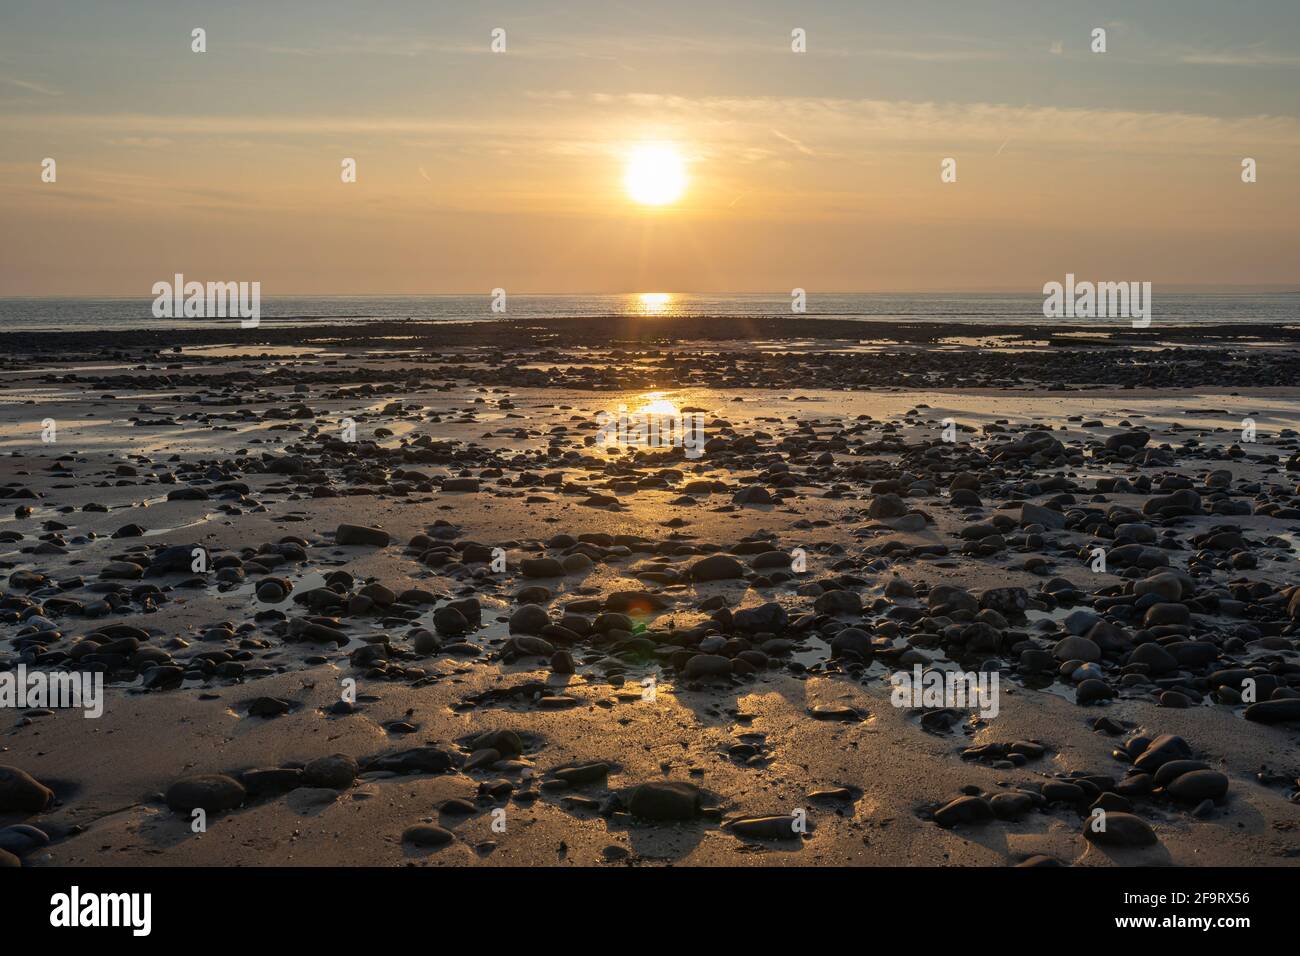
<point x="71" y="314"/>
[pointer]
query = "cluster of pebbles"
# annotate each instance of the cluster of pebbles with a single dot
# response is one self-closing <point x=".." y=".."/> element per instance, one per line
<point x="665" y="368"/>
<point x="500" y="763"/>
<point x="679" y="352"/>
<point x="1186" y="603"/>
<point x="1162" y="773"/>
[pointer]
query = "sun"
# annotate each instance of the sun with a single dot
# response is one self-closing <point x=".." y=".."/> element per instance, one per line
<point x="655" y="175"/>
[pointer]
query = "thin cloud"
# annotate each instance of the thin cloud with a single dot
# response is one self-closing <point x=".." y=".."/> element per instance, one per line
<point x="30" y="87"/>
<point x="528" y="44"/>
<point x="142" y="142"/>
<point x="793" y="142"/>
<point x="1240" y="59"/>
<point x="591" y="124"/>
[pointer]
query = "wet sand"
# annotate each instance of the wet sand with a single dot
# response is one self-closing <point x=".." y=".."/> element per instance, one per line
<point x="790" y="721"/>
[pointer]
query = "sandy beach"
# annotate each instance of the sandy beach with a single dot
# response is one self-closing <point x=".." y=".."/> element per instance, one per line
<point x="747" y="460"/>
<point x="437" y="622"/>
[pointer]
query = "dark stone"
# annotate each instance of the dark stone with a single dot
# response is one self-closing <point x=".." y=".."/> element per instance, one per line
<point x="209" y="792"/>
<point x="19" y="790"/>
<point x="664" y="800"/>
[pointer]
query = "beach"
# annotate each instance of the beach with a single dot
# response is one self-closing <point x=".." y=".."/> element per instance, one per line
<point x="387" y="594"/>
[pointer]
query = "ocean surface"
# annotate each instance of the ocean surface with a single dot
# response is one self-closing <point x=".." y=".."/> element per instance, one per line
<point x="70" y="314"/>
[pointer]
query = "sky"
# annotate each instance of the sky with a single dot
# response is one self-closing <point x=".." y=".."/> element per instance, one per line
<point x="479" y="170"/>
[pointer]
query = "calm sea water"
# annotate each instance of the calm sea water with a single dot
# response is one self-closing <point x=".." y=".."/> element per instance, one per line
<point x="976" y="309"/>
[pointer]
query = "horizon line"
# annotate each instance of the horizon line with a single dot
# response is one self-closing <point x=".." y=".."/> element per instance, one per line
<point x="1241" y="289"/>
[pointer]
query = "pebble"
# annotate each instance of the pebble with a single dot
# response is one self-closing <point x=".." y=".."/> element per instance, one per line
<point x="1197" y="785"/>
<point x="20" y="839"/>
<point x="427" y="835"/>
<point x="20" y="791"/>
<point x="968" y="809"/>
<point x="1122" y="830"/>
<point x="352" y="534"/>
<point x="664" y="800"/>
<point x="707" y="666"/>
<point x="717" y="567"/>
<point x="336" y="772"/>
<point x="210" y="792"/>
<point x="777" y="827"/>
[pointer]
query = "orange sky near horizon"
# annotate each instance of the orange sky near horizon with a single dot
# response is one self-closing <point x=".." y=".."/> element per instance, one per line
<point x="478" y="170"/>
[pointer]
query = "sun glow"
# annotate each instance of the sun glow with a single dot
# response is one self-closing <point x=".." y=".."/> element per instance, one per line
<point x="655" y="174"/>
<point x="657" y="403"/>
<point x="654" y="303"/>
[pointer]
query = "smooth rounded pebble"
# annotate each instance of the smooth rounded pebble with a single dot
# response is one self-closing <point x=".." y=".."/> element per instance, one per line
<point x="427" y="835"/>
